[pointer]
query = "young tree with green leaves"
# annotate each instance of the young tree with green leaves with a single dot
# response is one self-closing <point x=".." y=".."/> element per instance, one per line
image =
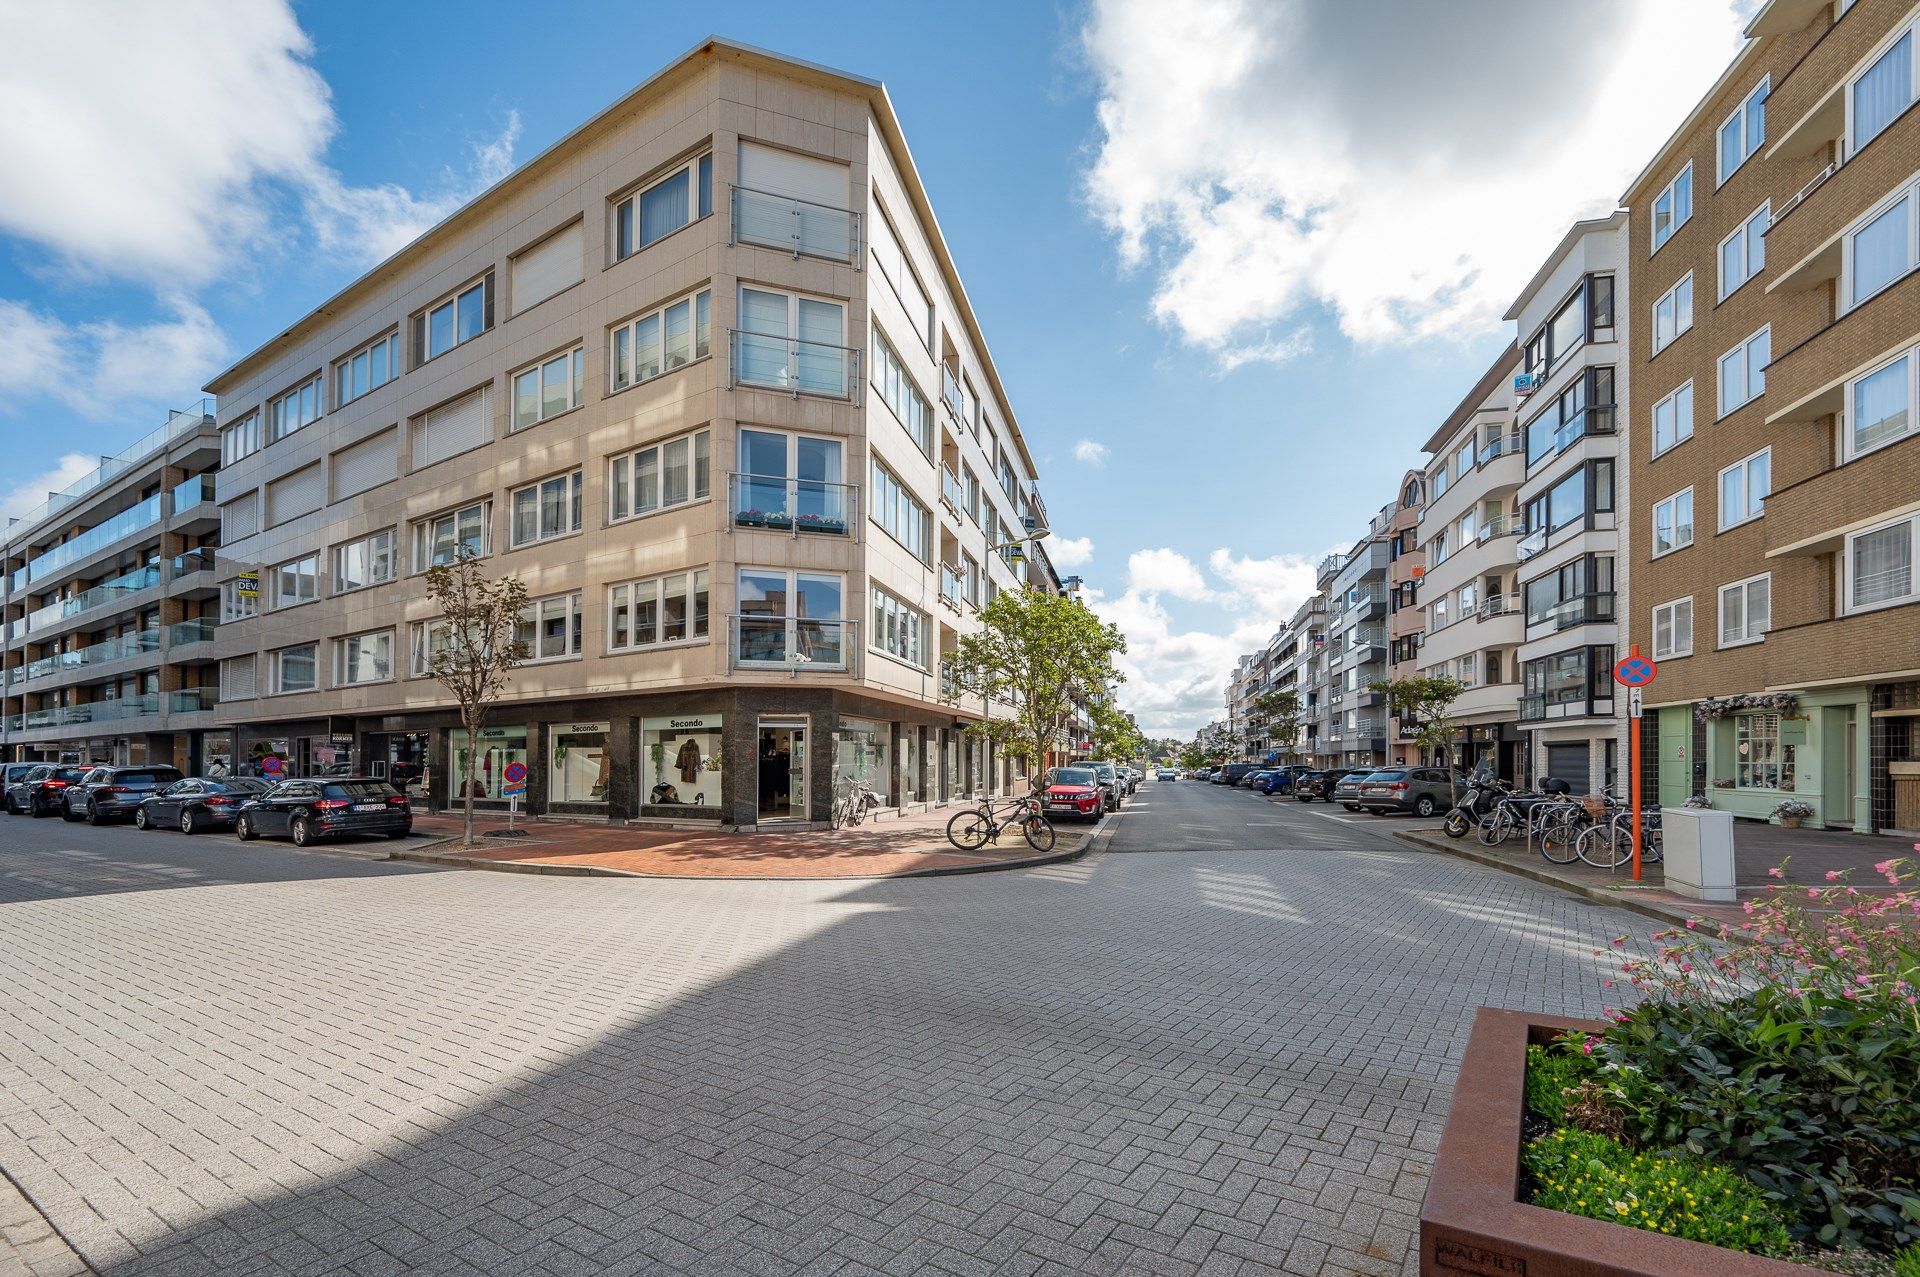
<point x="1428" y="701"/>
<point x="475" y="656"/>
<point x="1277" y="714"/>
<point x="1114" y="734"/>
<point x="1044" y="655"/>
<point x="1218" y="747"/>
<point x="1192" y="758"/>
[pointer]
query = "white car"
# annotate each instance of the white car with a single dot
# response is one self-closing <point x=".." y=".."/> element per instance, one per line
<point x="1166" y="773"/>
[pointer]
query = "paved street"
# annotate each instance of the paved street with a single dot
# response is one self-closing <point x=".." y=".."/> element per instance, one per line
<point x="1223" y="1045"/>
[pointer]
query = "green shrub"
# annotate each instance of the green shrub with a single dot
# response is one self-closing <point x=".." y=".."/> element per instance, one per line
<point x="1552" y="1071"/>
<point x="1907" y="1262"/>
<point x="1586" y="1174"/>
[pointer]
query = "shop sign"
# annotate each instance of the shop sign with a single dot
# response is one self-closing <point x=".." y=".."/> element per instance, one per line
<point x="690" y="723"/>
<point x="583" y="729"/>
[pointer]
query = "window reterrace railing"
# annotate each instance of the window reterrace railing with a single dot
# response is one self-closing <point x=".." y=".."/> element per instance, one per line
<point x="198" y="630"/>
<point x="1498" y="605"/>
<point x="1499" y="525"/>
<point x="1499" y="446"/>
<point x="1581" y="609"/>
<point x="1542" y="444"/>
<point x="106" y="592"/>
<point x="951" y="394"/>
<point x="951" y="490"/>
<point x="773" y="362"/>
<point x="195" y="491"/>
<point x="199" y="560"/>
<point x="779" y="504"/>
<point x="764" y="641"/>
<point x="98" y="537"/>
<point x="798" y="226"/>
<point x="93" y="712"/>
<point x="952" y="585"/>
<point x="191" y="700"/>
<point x="1531" y="544"/>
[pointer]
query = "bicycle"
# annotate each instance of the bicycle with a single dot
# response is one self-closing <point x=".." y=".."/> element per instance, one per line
<point x="852" y="800"/>
<point x="1608" y="844"/>
<point x="974" y="828"/>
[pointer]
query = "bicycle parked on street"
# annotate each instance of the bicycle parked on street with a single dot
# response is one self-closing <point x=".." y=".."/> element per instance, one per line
<point x="1608" y="844"/>
<point x="852" y="800"/>
<point x="974" y="828"/>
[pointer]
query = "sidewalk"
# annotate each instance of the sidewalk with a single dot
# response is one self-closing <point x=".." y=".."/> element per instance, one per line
<point x="901" y="847"/>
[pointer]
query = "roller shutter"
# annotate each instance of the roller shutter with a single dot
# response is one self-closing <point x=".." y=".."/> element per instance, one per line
<point x="367" y="464"/>
<point x="1571" y="762"/>
<point x="240" y="518"/>
<point x="236" y="678"/>
<point x="453" y="428"/>
<point x="763" y="168"/>
<point x="556" y="262"/>
<point x="301" y="492"/>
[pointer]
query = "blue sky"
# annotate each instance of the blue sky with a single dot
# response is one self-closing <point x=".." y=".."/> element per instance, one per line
<point x="1233" y="271"/>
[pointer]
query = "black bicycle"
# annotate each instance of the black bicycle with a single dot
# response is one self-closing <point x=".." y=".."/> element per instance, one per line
<point x="974" y="828"/>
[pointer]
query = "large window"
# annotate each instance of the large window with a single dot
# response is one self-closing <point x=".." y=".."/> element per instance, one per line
<point x="1744" y="486"/>
<point x="1881" y="250"/>
<point x="1587" y="314"/>
<point x="1760" y="761"/>
<point x="458" y="318"/>
<point x="660" y="476"/>
<point x="1743" y="371"/>
<point x="296" y="582"/>
<point x="900" y="514"/>
<point x="898" y="271"/>
<point x="299" y="407"/>
<point x="1673" y="629"/>
<point x="1880" y="565"/>
<point x="450" y="536"/>
<point x="793" y="342"/>
<point x="1881" y="93"/>
<point x="366" y="369"/>
<point x="662" y="609"/>
<point x="660" y="340"/>
<point x="1743" y="254"/>
<point x="1880" y="407"/>
<point x="1587" y="488"/>
<point x="240" y="439"/>
<point x="545" y="510"/>
<point x="790" y="481"/>
<point x="1744" y="610"/>
<point x="899" y="629"/>
<point x="1583" y="408"/>
<point x="1743" y="132"/>
<point x="364" y="658"/>
<point x="791" y="618"/>
<point x="1673" y="419"/>
<point x="1672" y="207"/>
<point x="900" y="393"/>
<point x="293" y="669"/>
<point x="240" y="598"/>
<point x="549" y="388"/>
<point x="1673" y="313"/>
<point x="365" y="562"/>
<point x="663" y="207"/>
<point x="1575" y="677"/>
<point x="551" y="627"/>
<point x="1673" y="523"/>
<point x="1574" y="593"/>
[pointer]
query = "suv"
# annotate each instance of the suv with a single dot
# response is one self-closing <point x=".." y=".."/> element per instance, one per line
<point x="1111" y="780"/>
<point x="1166" y="773"/>
<point x="308" y="810"/>
<point x="1277" y="781"/>
<point x="40" y="791"/>
<point x="1346" y="791"/>
<point x="1419" y="790"/>
<point x="1319" y="784"/>
<point x="1233" y="773"/>
<point x="113" y="793"/>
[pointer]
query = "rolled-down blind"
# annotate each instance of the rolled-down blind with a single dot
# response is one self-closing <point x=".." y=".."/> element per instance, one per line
<point x="236" y="678"/>
<point x="453" y="428"/>
<point x="367" y="464"/>
<point x="240" y="518"/>
<point x="763" y="168"/>
<point x="299" y="493"/>
<point x="556" y="262"/>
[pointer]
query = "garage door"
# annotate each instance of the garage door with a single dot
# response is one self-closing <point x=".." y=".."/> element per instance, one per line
<point x="1571" y="763"/>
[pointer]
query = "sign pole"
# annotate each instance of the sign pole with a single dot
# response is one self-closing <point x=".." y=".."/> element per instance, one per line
<point x="1633" y="754"/>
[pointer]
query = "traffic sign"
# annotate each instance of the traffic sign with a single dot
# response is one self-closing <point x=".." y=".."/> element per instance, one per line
<point x="513" y="780"/>
<point x="1635" y="671"/>
<point x="1633" y="702"/>
<point x="272" y="766"/>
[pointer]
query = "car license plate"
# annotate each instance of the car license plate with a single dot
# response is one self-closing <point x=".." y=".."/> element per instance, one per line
<point x="1061" y="806"/>
<point x="369" y="806"/>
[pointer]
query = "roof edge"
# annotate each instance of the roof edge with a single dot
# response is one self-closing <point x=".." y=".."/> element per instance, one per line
<point x="1579" y="230"/>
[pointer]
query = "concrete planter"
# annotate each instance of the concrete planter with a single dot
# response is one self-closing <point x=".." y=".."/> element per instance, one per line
<point x="1473" y="1220"/>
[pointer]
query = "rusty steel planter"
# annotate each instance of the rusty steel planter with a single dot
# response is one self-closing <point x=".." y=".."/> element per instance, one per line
<point x="1473" y="1221"/>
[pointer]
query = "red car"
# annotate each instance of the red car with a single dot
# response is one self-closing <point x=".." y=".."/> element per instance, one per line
<point x="1075" y="791"/>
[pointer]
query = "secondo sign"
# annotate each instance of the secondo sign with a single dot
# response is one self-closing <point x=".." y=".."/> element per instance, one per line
<point x="693" y="723"/>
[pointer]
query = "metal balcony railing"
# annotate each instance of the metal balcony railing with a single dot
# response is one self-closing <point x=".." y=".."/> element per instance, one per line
<point x="1498" y="605"/>
<point x="952" y="491"/>
<point x="1499" y="525"/>
<point x="800" y="227"/>
<point x="179" y="422"/>
<point x="762" y="641"/>
<point x="779" y="504"/>
<point x="106" y="592"/>
<point x="771" y="361"/>
<point x="952" y="396"/>
<point x="953" y="585"/>
<point x="1545" y="439"/>
<point x="1499" y="446"/>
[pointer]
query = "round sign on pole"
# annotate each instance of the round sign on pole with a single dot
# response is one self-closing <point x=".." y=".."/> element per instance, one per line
<point x="515" y="773"/>
<point x="1634" y="671"/>
<point x="271" y="766"/>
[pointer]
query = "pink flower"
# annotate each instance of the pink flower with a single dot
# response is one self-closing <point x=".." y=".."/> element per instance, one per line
<point x="1776" y="872"/>
<point x="1606" y="984"/>
<point x="1833" y="875"/>
<point x="1813" y="893"/>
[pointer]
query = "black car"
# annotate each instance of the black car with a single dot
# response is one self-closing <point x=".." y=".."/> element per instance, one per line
<point x="109" y="793"/>
<point x="1319" y="784"/>
<point x="11" y="772"/>
<point x="41" y="791"/>
<point x="198" y="802"/>
<point x="1233" y="773"/>
<point x="308" y="810"/>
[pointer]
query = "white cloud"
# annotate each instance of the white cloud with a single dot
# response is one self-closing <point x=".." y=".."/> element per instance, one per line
<point x="1165" y="571"/>
<point x="30" y="494"/>
<point x="99" y="368"/>
<point x="1272" y="159"/>
<point x="1069" y="552"/>
<point x="1090" y="452"/>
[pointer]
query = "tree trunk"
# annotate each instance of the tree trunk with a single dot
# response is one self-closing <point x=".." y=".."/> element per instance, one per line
<point x="466" y="782"/>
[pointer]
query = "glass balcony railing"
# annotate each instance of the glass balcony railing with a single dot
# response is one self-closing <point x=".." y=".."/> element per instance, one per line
<point x="1499" y="525"/>
<point x="1547" y="438"/>
<point x="200" y="560"/>
<point x="111" y="711"/>
<point x="198" y="630"/>
<point x="1581" y="609"/>
<point x="774" y="362"/>
<point x="793" y="505"/>
<point x="1499" y="446"/>
<point x="195" y="491"/>
<point x="1531" y="544"/>
<point x="951" y="394"/>
<point x="104" y="593"/>
<point x="98" y="537"/>
<point x="179" y="422"/>
<point x="762" y="641"/>
<point x="951" y="490"/>
<point x="797" y="226"/>
<point x="191" y="700"/>
<point x="113" y="649"/>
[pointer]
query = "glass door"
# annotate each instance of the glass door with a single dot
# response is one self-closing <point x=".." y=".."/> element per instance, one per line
<point x="782" y="770"/>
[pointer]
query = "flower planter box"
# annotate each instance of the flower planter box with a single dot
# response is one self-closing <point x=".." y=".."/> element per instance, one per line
<point x="1473" y="1220"/>
<point x="834" y="526"/>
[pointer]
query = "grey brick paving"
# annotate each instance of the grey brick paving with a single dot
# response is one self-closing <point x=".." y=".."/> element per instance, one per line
<point x="1225" y="1047"/>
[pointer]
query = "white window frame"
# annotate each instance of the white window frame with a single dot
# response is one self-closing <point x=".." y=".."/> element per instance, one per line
<point x="1748" y="144"/>
<point x="423" y="319"/>
<point x="1909" y="191"/>
<point x="1868" y="63"/>
<point x="1849" y="450"/>
<point x="1744" y="468"/>
<point x="793" y="575"/>
<point x="384" y="349"/>
<point x="342" y="667"/>
<point x="891" y="377"/>
<point x="886" y="492"/>
<point x="1682" y="429"/>
<point x="691" y="584"/>
<point x="1749" y="632"/>
<point x="278" y="414"/>
<point x="624" y="338"/>
<point x="629" y="205"/>
<point x="1670" y="193"/>
<point x="423" y="532"/>
<point x="276" y="669"/>
<point x="890" y="615"/>
<point x="574" y="631"/>
<point x="368" y="545"/>
<point x="235" y="606"/>
<point x="623" y="477"/>
<point x="1672" y="506"/>
<point x="273" y="574"/>
<point x="240" y="438"/>
<point x="571" y="490"/>
<point x="1755" y="378"/>
<point x="1673" y="608"/>
<point x="1853" y="606"/>
<point x="1752" y="234"/>
<point x="573" y="369"/>
<point x="1682" y="291"/>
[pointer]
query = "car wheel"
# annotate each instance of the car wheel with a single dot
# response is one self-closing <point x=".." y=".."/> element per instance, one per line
<point x="186" y="820"/>
<point x="36" y="810"/>
<point x="302" y="832"/>
<point x="94" y="817"/>
<point x="67" y="812"/>
<point x="1424" y="806"/>
<point x="398" y="833"/>
<point x="243" y="830"/>
<point x="140" y="819"/>
<point x="1351" y="806"/>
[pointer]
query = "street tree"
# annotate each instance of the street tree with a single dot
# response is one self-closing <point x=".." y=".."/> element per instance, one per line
<point x="1042" y="656"/>
<point x="476" y="650"/>
<point x="1218" y="747"/>
<point x="1115" y="735"/>
<point x="1427" y="702"/>
<point x="1277" y="715"/>
<point x="1192" y="757"/>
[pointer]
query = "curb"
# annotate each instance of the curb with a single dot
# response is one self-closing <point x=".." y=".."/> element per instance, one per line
<point x="1619" y="900"/>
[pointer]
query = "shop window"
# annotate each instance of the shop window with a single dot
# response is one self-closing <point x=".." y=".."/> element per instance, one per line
<point x="680" y="763"/>
<point x="577" y="762"/>
<point x="498" y="747"/>
<point x="860" y="751"/>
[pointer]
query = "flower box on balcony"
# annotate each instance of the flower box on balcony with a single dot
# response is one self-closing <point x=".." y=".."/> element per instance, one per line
<point x="819" y="523"/>
<point x="763" y="519"/>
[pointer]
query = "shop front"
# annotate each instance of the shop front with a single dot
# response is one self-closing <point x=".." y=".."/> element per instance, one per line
<point x="579" y="768"/>
<point x="497" y="747"/>
<point x="1813" y="747"/>
<point x="680" y="766"/>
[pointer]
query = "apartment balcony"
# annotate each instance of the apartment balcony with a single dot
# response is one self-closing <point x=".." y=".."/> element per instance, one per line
<point x="1497" y="605"/>
<point x="1547" y="441"/>
<point x="952" y="586"/>
<point x="124" y="591"/>
<point x="771" y="503"/>
<point x="1540" y="540"/>
<point x="1497" y="447"/>
<point x="1496" y="526"/>
<point x="1811" y="515"/>
<point x="95" y="661"/>
<point x="953" y="494"/>
<point x="1370" y="607"/>
<point x="1804" y="380"/>
<point x="192" y="506"/>
<point x="1485" y="702"/>
<point x="189" y="701"/>
<point x="759" y="641"/>
<point x="795" y="226"/>
<point x="119" y="713"/>
<point x="769" y="361"/>
<point x="190" y="575"/>
<point x="179" y="424"/>
<point x="101" y="536"/>
<point x="1582" y="609"/>
<point x="1370" y="699"/>
<point x="1860" y="645"/>
<point x="189" y="641"/>
<point x="951" y="395"/>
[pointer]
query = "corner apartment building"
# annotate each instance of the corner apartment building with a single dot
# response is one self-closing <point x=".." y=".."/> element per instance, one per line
<point x="1775" y="531"/>
<point x="109" y="609"/>
<point x="1572" y="321"/>
<point x="1354" y="731"/>
<point x="1406" y="565"/>
<point x="1469" y="532"/>
<point x="702" y="375"/>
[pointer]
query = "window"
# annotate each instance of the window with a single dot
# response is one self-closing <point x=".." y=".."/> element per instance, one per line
<point x="459" y="318"/>
<point x="899" y="513"/>
<point x="293" y="669"/>
<point x="1673" y="523"/>
<point x="1583" y="408"/>
<point x="791" y="618"/>
<point x="1437" y="483"/>
<point x="1744" y="132"/>
<point x="660" y="340"/>
<point x="1673" y="629"/>
<point x="899" y="629"/>
<point x="1881" y="251"/>
<point x="1744" y="486"/>
<point x="660" y="476"/>
<point x="364" y="658"/>
<point x="1673" y="419"/>
<point x="549" y="388"/>
<point x="794" y="343"/>
<point x="1743" y="371"/>
<point x="1743" y="610"/>
<point x="367" y="369"/>
<point x="790" y="481"/>
<point x="365" y="562"/>
<point x="1573" y="593"/>
<point x="1879" y="565"/>
<point x="1587" y="313"/>
<point x="240" y="439"/>
<point x="1463" y="459"/>
<point x="1673" y="313"/>
<point x="551" y="627"/>
<point x="1760" y="761"/>
<point x="240" y="598"/>
<point x="1882" y="92"/>
<point x="1672" y="207"/>
<point x="1880" y="407"/>
<point x="298" y="407"/>
<point x="447" y="537"/>
<point x="297" y="582"/>
<point x="664" y="609"/>
<point x="901" y="393"/>
<point x="895" y="268"/>
<point x="1743" y="254"/>
<point x="663" y="207"/>
<point x="545" y="510"/>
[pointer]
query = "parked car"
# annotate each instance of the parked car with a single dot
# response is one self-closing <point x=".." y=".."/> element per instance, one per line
<point x="198" y="802"/>
<point x="1109" y="776"/>
<point x="114" y="793"/>
<point x="1233" y="773"/>
<point x="42" y="790"/>
<point x="1421" y="791"/>
<point x="1075" y="792"/>
<point x="1277" y="781"/>
<point x="309" y="810"/>
<point x="1165" y="773"/>
<point x="1319" y="784"/>
<point x="1346" y="790"/>
<point x="11" y="772"/>
<point x="1253" y="778"/>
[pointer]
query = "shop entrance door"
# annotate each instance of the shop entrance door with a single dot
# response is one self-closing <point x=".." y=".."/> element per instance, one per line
<point x="783" y="769"/>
